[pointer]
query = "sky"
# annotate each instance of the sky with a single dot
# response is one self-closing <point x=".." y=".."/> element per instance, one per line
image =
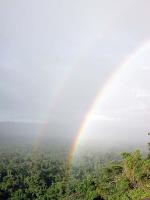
<point x="56" y="56"/>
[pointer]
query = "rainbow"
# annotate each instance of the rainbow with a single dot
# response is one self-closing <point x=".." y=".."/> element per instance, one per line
<point x="57" y="96"/>
<point x="100" y="97"/>
<point x="88" y="43"/>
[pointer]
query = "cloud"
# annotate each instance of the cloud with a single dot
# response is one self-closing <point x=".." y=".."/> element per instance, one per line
<point x="145" y="68"/>
<point x="37" y="51"/>
<point x="142" y="93"/>
<point x="102" y="117"/>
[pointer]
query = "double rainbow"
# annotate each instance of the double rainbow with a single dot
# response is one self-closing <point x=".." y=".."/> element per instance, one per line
<point x="100" y="97"/>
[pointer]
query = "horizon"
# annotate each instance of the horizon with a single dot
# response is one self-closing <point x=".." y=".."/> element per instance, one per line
<point x="84" y="64"/>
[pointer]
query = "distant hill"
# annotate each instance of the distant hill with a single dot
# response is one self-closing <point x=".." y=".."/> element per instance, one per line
<point x="16" y="133"/>
<point x="55" y="134"/>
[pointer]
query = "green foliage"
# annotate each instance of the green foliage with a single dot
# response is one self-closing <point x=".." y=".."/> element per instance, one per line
<point x="42" y="176"/>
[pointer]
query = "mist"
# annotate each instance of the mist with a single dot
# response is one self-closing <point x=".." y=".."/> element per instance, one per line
<point x="57" y="56"/>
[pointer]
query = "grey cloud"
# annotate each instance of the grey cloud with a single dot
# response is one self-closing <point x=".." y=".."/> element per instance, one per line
<point x="55" y="56"/>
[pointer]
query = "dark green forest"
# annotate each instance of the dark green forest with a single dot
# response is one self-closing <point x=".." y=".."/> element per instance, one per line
<point x="44" y="175"/>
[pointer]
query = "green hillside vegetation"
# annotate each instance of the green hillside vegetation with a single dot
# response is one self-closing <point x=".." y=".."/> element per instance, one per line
<point x="43" y="176"/>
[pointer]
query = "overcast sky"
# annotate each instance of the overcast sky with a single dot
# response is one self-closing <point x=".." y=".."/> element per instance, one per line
<point x="56" y="55"/>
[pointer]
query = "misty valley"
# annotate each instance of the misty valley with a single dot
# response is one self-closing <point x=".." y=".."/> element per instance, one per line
<point x="43" y="171"/>
<point x="74" y="100"/>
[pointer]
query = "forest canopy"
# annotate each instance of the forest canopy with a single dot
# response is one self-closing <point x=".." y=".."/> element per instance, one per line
<point x="43" y="175"/>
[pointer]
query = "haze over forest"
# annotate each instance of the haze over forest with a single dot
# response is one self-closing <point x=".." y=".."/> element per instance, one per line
<point x="74" y="100"/>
